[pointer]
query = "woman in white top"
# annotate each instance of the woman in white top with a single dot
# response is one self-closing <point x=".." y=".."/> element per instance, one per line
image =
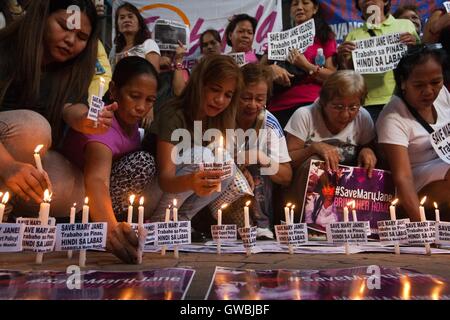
<point x="133" y="37"/>
<point x="405" y="129"/>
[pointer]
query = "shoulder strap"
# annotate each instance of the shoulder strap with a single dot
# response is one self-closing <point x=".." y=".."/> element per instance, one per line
<point x="418" y="117"/>
<point x="371" y="32"/>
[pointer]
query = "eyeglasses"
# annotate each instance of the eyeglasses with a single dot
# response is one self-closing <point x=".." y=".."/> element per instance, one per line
<point x="340" y="108"/>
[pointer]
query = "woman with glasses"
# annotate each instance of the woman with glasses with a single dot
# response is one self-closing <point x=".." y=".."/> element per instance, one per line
<point x="335" y="129"/>
<point x="409" y="125"/>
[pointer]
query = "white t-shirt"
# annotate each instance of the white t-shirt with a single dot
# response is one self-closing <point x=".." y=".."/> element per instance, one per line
<point x="275" y="146"/>
<point x="2" y="20"/>
<point x="141" y="50"/>
<point x="308" y="125"/>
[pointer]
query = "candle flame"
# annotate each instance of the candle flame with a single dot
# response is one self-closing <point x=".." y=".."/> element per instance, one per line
<point x="47" y="196"/>
<point x="352" y="204"/>
<point x="423" y="200"/>
<point x="394" y="202"/>
<point x="74" y="205"/>
<point x="221" y="142"/>
<point x="38" y="148"/>
<point x="248" y="203"/>
<point x="435" y="205"/>
<point x="86" y="201"/>
<point x="224" y="206"/>
<point x="288" y="204"/>
<point x="141" y="201"/>
<point x="175" y="202"/>
<point x="102" y="80"/>
<point x="293" y="207"/>
<point x="5" y="198"/>
<point x="132" y="197"/>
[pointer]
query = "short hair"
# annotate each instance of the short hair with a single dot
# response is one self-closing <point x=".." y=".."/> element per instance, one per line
<point x="213" y="32"/>
<point x="408" y="7"/>
<point x="386" y="10"/>
<point x="343" y="83"/>
<point x="416" y="55"/>
<point x="235" y="20"/>
<point x="131" y="67"/>
<point x="254" y="73"/>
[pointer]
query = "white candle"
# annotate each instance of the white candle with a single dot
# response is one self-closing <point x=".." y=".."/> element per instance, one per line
<point x="175" y="219"/>
<point x="347" y="250"/>
<point x="394" y="218"/>
<point x="292" y="214"/>
<point x="219" y="158"/>
<point x="101" y="88"/>
<point x="84" y="219"/>
<point x="286" y="215"/>
<point x="219" y="223"/>
<point x="37" y="158"/>
<point x="436" y="212"/>
<point x="166" y="219"/>
<point x="44" y="212"/>
<point x="219" y="217"/>
<point x="3" y="205"/>
<point x="247" y="215"/>
<point x="141" y="212"/>
<point x="71" y="221"/>
<point x="422" y="219"/>
<point x="130" y="209"/>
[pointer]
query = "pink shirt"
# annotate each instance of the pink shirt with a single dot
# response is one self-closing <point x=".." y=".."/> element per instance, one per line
<point x="307" y="90"/>
<point x="115" y="139"/>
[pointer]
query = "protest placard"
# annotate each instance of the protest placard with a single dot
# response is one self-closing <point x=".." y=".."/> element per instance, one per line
<point x="293" y="234"/>
<point x="167" y="33"/>
<point x="80" y="236"/>
<point x="393" y="231"/>
<point x="248" y="236"/>
<point x="443" y="233"/>
<point x="95" y="107"/>
<point x="224" y="232"/>
<point x="11" y="237"/>
<point x="347" y="232"/>
<point x="420" y="233"/>
<point x="173" y="233"/>
<point x="440" y="140"/>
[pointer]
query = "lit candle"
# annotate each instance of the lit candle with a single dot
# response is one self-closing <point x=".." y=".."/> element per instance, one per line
<point x="422" y="219"/>
<point x="247" y="215"/>
<point x="130" y="209"/>
<point x="219" y="223"/>
<point x="101" y="88"/>
<point x="353" y="204"/>
<point x="71" y="221"/>
<point x="219" y="159"/>
<point x="436" y="212"/>
<point x="166" y="219"/>
<point x="37" y="158"/>
<point x="84" y="219"/>
<point x="347" y="250"/>
<point x="175" y="219"/>
<point x="292" y="213"/>
<point x="3" y="205"/>
<point x="44" y="212"/>
<point x="287" y="213"/>
<point x="141" y="212"/>
<point x="394" y="218"/>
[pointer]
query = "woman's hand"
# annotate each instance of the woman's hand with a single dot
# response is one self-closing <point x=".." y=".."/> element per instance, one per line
<point x="281" y="76"/>
<point x="206" y="182"/>
<point x="408" y="39"/>
<point x="367" y="160"/>
<point x="180" y="52"/>
<point x="345" y="49"/>
<point x="328" y="153"/>
<point x="123" y="242"/>
<point x="25" y="181"/>
<point x="299" y="60"/>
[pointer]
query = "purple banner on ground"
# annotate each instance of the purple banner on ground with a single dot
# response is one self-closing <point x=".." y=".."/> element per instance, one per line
<point x="359" y="283"/>
<point x="158" y="284"/>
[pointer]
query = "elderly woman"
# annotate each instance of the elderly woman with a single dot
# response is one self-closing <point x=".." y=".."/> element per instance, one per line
<point x="335" y="129"/>
<point x="240" y="33"/>
<point x="405" y="129"/>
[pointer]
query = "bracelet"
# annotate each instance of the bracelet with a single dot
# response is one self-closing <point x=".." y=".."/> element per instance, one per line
<point x="311" y="72"/>
<point x="178" y="66"/>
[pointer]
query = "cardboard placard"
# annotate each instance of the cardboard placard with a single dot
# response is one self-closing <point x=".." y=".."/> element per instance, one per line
<point x="226" y="167"/>
<point x="299" y="37"/>
<point x="173" y="233"/>
<point x="393" y="232"/>
<point x="347" y="232"/>
<point x="248" y="236"/>
<point x="81" y="236"/>
<point x="35" y="221"/>
<point x="95" y="107"/>
<point x="294" y="234"/>
<point x="443" y="233"/>
<point x="39" y="238"/>
<point x="420" y="233"/>
<point x="378" y="54"/>
<point x="11" y="237"/>
<point x="167" y="33"/>
<point x="440" y="140"/>
<point x="447" y="6"/>
<point x="151" y="234"/>
<point x="224" y="232"/>
<point x="238" y="57"/>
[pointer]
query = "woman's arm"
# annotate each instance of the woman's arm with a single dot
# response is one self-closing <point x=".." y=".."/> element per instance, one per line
<point x="153" y="58"/>
<point x="323" y="73"/>
<point x="435" y="25"/>
<point x="284" y="174"/>
<point x="75" y="115"/>
<point x="399" y="163"/>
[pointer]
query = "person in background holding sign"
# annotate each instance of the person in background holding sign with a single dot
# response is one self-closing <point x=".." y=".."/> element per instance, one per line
<point x="405" y="129"/>
<point x="253" y="115"/>
<point x="133" y="37"/>
<point x="300" y="75"/>
<point x="437" y="30"/>
<point x="240" y="33"/>
<point x="106" y="159"/>
<point x="335" y="129"/>
<point x="210" y="42"/>
<point x="46" y="66"/>
<point x="378" y="21"/>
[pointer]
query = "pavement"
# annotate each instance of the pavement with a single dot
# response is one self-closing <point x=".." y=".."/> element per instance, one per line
<point x="205" y="264"/>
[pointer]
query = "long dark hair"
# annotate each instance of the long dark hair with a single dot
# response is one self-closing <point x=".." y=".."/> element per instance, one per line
<point x="233" y="23"/>
<point x="21" y="54"/>
<point x="142" y="34"/>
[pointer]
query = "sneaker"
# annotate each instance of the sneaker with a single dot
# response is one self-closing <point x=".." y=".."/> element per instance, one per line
<point x="264" y="234"/>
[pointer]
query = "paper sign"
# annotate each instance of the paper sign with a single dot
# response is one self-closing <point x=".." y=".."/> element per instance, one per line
<point x="224" y="232"/>
<point x="347" y="232"/>
<point x="167" y="34"/>
<point x="238" y="57"/>
<point x="447" y="5"/>
<point x="35" y="221"/>
<point x="80" y="236"/>
<point x="173" y="233"/>
<point x="421" y="232"/>
<point x="151" y="234"/>
<point x="293" y="234"/>
<point x="440" y="140"/>
<point x="393" y="232"/>
<point x="443" y="233"/>
<point x="11" y="237"/>
<point x="226" y="167"/>
<point x="39" y="238"/>
<point x="299" y="37"/>
<point x="378" y="54"/>
<point x="248" y="236"/>
<point x="95" y="107"/>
